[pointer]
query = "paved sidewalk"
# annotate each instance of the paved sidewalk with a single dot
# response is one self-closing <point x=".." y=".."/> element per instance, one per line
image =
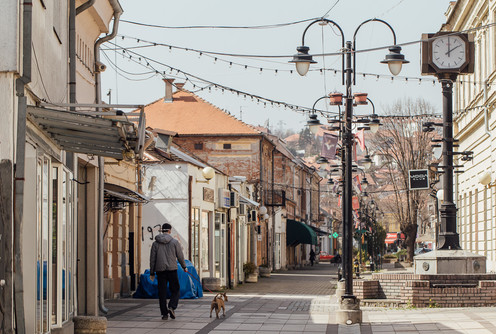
<point x="296" y="301"/>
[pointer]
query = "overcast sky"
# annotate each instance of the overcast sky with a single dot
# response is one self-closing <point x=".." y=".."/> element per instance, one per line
<point x="408" y="18"/>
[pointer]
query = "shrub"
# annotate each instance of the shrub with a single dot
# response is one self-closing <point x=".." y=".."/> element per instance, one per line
<point x="249" y="268"/>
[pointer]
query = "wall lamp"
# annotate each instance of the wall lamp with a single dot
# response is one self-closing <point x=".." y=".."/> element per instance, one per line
<point x="485" y="180"/>
<point x="208" y="173"/>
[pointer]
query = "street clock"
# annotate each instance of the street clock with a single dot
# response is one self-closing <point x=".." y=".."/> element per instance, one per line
<point x="447" y="53"/>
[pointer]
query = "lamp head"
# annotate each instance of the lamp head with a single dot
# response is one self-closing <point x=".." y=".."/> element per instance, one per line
<point x="322" y="161"/>
<point x="313" y="123"/>
<point x="367" y="162"/>
<point x="485" y="178"/>
<point x="208" y="173"/>
<point x="395" y="60"/>
<point x="302" y="60"/>
<point x="374" y="123"/>
<point x="364" y="183"/>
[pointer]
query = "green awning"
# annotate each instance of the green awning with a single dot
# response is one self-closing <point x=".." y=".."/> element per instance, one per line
<point x="299" y="233"/>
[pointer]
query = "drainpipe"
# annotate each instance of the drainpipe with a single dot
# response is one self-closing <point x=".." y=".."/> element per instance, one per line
<point x="84" y="6"/>
<point x="21" y="82"/>
<point x="486" y="111"/>
<point x="98" y="96"/>
<point x="273" y="234"/>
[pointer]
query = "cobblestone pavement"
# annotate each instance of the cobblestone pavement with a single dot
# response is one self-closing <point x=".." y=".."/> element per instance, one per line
<point x="296" y="301"/>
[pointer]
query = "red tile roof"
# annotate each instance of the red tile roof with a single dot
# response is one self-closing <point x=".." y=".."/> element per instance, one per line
<point x="188" y="114"/>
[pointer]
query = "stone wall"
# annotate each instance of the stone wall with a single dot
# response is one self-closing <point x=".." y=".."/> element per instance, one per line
<point x="430" y="290"/>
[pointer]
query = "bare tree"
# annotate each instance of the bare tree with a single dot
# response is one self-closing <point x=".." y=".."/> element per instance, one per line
<point x="404" y="146"/>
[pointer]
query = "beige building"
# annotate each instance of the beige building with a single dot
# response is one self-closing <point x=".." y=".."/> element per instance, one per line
<point x="51" y="204"/>
<point x="474" y="123"/>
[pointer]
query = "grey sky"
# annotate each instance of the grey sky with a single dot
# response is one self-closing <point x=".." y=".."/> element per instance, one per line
<point x="409" y="19"/>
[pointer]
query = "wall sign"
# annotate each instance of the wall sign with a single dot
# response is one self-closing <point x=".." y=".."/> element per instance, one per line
<point x="418" y="179"/>
<point x="208" y="195"/>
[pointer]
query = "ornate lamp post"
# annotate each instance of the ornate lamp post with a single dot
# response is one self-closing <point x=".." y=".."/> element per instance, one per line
<point x="349" y="307"/>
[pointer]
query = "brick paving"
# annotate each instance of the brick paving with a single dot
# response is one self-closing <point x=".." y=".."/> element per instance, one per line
<point x="296" y="301"/>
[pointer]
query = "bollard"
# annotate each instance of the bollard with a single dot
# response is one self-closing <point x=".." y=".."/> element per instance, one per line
<point x="90" y="325"/>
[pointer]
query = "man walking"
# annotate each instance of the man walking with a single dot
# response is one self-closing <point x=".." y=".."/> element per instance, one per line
<point x="165" y="251"/>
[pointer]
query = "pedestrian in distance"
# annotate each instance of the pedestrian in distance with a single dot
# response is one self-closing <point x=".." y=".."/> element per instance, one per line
<point x="165" y="253"/>
<point x="312" y="256"/>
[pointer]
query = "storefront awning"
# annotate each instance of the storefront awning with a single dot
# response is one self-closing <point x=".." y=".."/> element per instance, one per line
<point x="299" y="233"/>
<point x="318" y="230"/>
<point x="390" y="240"/>
<point x="248" y="201"/>
<point x="90" y="132"/>
<point x="116" y="193"/>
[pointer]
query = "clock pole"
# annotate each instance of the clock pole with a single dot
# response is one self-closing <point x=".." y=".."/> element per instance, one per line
<point x="448" y="237"/>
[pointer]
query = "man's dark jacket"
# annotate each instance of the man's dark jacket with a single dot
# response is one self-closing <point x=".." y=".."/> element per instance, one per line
<point x="164" y="252"/>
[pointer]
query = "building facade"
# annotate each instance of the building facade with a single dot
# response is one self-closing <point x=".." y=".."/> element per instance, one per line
<point x="474" y="123"/>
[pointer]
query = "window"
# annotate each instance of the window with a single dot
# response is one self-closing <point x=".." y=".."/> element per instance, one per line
<point x="43" y="288"/>
<point x="227" y="146"/>
<point x="219" y="247"/>
<point x="198" y="146"/>
<point x="205" y="240"/>
<point x="195" y="237"/>
<point x="55" y="254"/>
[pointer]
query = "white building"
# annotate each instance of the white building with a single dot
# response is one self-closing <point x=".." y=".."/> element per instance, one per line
<point x="474" y="122"/>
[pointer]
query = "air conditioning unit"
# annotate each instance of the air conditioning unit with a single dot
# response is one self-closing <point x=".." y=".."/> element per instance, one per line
<point x="224" y="198"/>
<point x="242" y="209"/>
<point x="234" y="199"/>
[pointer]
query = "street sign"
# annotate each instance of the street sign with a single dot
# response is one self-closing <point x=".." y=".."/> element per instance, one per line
<point x="335" y="235"/>
<point x="418" y="179"/>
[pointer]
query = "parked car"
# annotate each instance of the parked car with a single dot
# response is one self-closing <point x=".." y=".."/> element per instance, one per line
<point x="323" y="256"/>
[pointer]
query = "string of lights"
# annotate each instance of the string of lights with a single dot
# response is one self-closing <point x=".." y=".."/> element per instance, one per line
<point x="275" y="71"/>
<point x="209" y="84"/>
<point x="134" y="56"/>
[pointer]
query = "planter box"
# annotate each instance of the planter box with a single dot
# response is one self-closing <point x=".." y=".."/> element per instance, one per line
<point x="264" y="271"/>
<point x="251" y="278"/>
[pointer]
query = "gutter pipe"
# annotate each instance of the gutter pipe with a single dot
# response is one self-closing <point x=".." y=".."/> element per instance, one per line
<point x="21" y="82"/>
<point x="486" y="111"/>
<point x="98" y="96"/>
<point x="84" y="6"/>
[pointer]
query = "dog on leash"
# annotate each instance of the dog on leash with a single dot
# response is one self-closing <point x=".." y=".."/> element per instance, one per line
<point x="218" y="303"/>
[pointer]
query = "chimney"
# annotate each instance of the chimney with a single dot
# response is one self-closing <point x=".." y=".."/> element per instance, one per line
<point x="180" y="86"/>
<point x="168" y="90"/>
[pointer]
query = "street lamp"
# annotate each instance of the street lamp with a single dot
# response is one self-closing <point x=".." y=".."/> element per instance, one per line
<point x="349" y="307"/>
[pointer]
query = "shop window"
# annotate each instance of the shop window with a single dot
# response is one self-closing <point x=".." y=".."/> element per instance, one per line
<point x="55" y="246"/>
<point x="195" y="238"/>
<point x="205" y="240"/>
<point x="219" y="245"/>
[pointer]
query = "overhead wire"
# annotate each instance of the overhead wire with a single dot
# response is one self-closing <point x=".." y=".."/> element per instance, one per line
<point x="340" y="53"/>
<point x="267" y="26"/>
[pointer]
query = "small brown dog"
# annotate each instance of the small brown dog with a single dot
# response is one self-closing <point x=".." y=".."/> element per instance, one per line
<point x="218" y="303"/>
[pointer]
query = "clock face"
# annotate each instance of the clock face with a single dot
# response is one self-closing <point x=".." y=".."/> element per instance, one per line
<point x="449" y="52"/>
